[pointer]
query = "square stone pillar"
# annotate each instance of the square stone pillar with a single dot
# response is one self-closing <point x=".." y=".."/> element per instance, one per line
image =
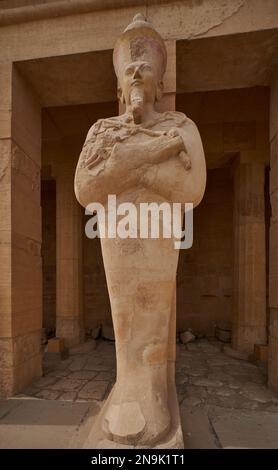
<point x="69" y="233"/>
<point x="20" y="233"/>
<point x="249" y="302"/>
<point x="273" y="242"/>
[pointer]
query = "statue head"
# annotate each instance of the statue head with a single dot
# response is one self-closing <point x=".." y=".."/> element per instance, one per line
<point x="140" y="59"/>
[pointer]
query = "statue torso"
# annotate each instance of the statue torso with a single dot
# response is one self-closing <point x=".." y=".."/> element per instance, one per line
<point x="105" y="133"/>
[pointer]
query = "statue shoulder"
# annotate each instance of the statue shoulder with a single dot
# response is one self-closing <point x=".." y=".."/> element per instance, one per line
<point x="179" y="119"/>
<point x="175" y="118"/>
<point x="100" y="127"/>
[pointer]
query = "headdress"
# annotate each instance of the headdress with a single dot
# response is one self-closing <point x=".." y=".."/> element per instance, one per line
<point x="140" y="41"/>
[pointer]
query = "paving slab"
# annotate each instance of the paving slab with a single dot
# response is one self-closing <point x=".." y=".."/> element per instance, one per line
<point x="245" y="429"/>
<point x="40" y="424"/>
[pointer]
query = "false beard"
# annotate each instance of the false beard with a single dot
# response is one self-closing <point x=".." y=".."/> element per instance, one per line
<point x="137" y="102"/>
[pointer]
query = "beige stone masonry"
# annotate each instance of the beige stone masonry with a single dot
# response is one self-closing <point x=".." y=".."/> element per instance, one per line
<point x="20" y="233"/>
<point x="273" y="240"/>
<point x="249" y="318"/>
<point x="69" y="309"/>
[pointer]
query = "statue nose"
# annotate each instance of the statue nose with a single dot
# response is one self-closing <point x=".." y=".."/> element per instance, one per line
<point x="137" y="74"/>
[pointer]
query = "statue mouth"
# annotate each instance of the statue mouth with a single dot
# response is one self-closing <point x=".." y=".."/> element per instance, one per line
<point x="136" y="82"/>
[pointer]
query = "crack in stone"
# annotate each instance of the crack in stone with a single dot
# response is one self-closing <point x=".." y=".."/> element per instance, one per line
<point x="214" y="433"/>
<point x="220" y="22"/>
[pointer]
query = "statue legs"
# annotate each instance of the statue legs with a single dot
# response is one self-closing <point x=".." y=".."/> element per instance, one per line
<point x="141" y="277"/>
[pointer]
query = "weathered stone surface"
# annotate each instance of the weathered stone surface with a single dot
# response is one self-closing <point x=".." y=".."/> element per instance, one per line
<point x="20" y="238"/>
<point x="68" y="396"/>
<point x="105" y="375"/>
<point x="249" y="318"/>
<point x="273" y="241"/>
<point x="69" y="322"/>
<point x="83" y="375"/>
<point x="67" y="384"/>
<point x="78" y="363"/>
<point x="84" y="348"/>
<point x="205" y="382"/>
<point x="96" y="332"/>
<point x="39" y="423"/>
<point x="48" y="394"/>
<point x="187" y="337"/>
<point x="200" y="405"/>
<point x="44" y="382"/>
<point x="94" y="390"/>
<point x="95" y="364"/>
<point x="257" y="392"/>
<point x="107" y="332"/>
<point x="197" y="429"/>
<point x="256" y="430"/>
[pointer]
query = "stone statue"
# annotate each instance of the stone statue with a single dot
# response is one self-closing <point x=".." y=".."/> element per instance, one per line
<point x="141" y="156"/>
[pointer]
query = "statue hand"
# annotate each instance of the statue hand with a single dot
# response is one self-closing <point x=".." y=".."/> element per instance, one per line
<point x="183" y="155"/>
<point x="184" y="158"/>
<point x="173" y="132"/>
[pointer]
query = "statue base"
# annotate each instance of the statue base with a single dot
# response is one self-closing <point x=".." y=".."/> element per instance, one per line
<point x="173" y="440"/>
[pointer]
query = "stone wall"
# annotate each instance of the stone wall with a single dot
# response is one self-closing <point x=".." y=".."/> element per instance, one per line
<point x="204" y="280"/>
<point x="273" y="240"/>
<point x="230" y="122"/>
<point x="96" y="301"/>
<point x="48" y="192"/>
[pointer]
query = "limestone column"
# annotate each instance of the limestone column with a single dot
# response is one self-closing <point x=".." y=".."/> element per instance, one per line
<point x="69" y="231"/>
<point x="273" y="242"/>
<point x="20" y="233"/>
<point x="249" y="309"/>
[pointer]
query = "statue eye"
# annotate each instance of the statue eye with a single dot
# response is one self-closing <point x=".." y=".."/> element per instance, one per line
<point x="129" y="71"/>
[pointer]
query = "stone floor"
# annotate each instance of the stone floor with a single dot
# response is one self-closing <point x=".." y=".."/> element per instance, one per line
<point x="224" y="401"/>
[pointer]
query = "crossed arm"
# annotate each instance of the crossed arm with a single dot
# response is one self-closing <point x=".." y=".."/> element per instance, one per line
<point x="161" y="164"/>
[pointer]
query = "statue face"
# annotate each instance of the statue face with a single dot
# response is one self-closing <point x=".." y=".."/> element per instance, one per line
<point x="142" y="76"/>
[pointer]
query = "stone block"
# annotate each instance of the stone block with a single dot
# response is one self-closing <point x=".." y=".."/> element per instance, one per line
<point x="196" y="427"/>
<point x="56" y="345"/>
<point x="242" y="429"/>
<point x="70" y="328"/>
<point x="170" y="74"/>
<point x="273" y="240"/>
<point x="6" y="353"/>
<point x="5" y="99"/>
<point x="272" y="363"/>
<point x="26" y="346"/>
<point x="273" y="125"/>
<point x="261" y="352"/>
<point x="211" y="133"/>
<point x="223" y="332"/>
<point x="239" y="136"/>
<point x="231" y="352"/>
<point x="6" y="382"/>
<point x="273" y="291"/>
<point x="5" y="320"/>
<point x="94" y="390"/>
<point x="245" y="336"/>
<point x="273" y="184"/>
<point x="68" y="301"/>
<point x="26" y="132"/>
<point x="26" y="372"/>
<point x="5" y="214"/>
<point x="5" y="161"/>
